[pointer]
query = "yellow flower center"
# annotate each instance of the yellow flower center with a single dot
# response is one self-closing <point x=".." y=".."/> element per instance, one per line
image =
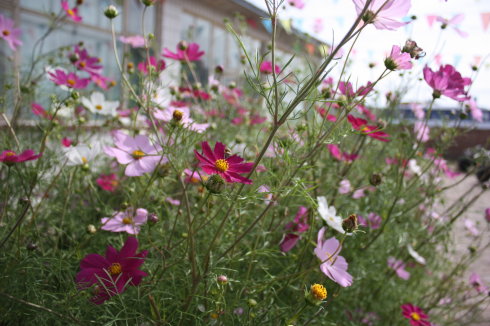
<point x="10" y="153"/>
<point x="415" y="316"/>
<point x="138" y="154"/>
<point x="222" y="165"/>
<point x="318" y="291"/>
<point x="365" y="129"/>
<point x="6" y="32"/>
<point x="127" y="220"/>
<point x="115" y="269"/>
<point x="70" y="12"/>
<point x="84" y="160"/>
<point x="98" y="107"/>
<point x="71" y="82"/>
<point x="82" y="64"/>
<point x="177" y="115"/>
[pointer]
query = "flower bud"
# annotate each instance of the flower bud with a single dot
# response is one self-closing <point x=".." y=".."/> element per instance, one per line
<point x="251" y="303"/>
<point x="436" y="94"/>
<point x="182" y="45"/>
<point x="75" y="95"/>
<point x="74" y="57"/>
<point x="390" y="64"/>
<point x="316" y="295"/>
<point x="111" y="12"/>
<point x="232" y="85"/>
<point x="215" y="184"/>
<point x="79" y="2"/>
<point x="375" y="179"/>
<point x="153" y="218"/>
<point x="177" y="115"/>
<point x="219" y="69"/>
<point x="222" y="279"/>
<point x="411" y="48"/>
<point x="148" y="3"/>
<point x="91" y="229"/>
<point x="350" y="224"/>
<point x="31" y="246"/>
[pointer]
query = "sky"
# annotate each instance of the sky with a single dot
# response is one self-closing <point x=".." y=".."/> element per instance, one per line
<point x="442" y="46"/>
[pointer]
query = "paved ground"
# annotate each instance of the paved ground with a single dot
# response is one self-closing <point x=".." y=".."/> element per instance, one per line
<point x="463" y="239"/>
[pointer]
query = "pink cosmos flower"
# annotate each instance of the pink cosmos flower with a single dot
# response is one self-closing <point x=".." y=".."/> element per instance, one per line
<point x="399" y="267"/>
<point x="366" y="112"/>
<point x="476" y="112"/>
<point x="344" y="187"/>
<point x="108" y="182"/>
<point x="338" y="155"/>
<point x="191" y="53"/>
<point x="38" y="110"/>
<point x="10" y="34"/>
<point x="347" y="90"/>
<point x="371" y="131"/>
<point x="66" y="142"/>
<point x="192" y="177"/>
<point x="10" y="157"/>
<point x="385" y="18"/>
<point x="136" y="41"/>
<point x="294" y="229"/>
<point x="158" y="65"/>
<point x="453" y="23"/>
<point x="129" y="221"/>
<point x="477" y="283"/>
<point x="266" y="68"/>
<point x="172" y="201"/>
<point x="418" y="111"/>
<point x="102" y="81"/>
<point x="398" y="60"/>
<point x="415" y="314"/>
<point x="374" y="221"/>
<point x="70" y="80"/>
<point x="268" y="194"/>
<point x="110" y="274"/>
<point x="333" y="265"/>
<point x="217" y="162"/>
<point x="85" y="62"/>
<point x="300" y="4"/>
<point x="137" y="152"/>
<point x="422" y="131"/>
<point x="71" y="12"/>
<point x="180" y="115"/>
<point x="447" y="81"/>
<point x="471" y="227"/>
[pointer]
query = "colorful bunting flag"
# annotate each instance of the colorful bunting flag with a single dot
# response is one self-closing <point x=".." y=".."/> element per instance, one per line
<point x="310" y="48"/>
<point x="431" y="19"/>
<point x="267" y="25"/>
<point x="286" y="24"/>
<point x="485" y="19"/>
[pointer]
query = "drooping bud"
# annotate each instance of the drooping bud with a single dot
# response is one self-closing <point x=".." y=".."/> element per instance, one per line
<point x="215" y="184"/>
<point x="111" y="12"/>
<point x="316" y="295"/>
<point x="350" y="224"/>
<point x="375" y="179"/>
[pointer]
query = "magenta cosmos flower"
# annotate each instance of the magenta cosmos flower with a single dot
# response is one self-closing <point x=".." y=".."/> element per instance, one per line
<point x="477" y="283"/>
<point x="389" y="11"/>
<point x="295" y="228"/>
<point x="416" y="315"/>
<point x="266" y="68"/>
<point x="110" y="274"/>
<point x="129" y="221"/>
<point x="215" y="162"/>
<point x="398" y="60"/>
<point x="371" y="131"/>
<point x="85" y="62"/>
<point x="447" y="81"/>
<point x="10" y="157"/>
<point x="190" y="53"/>
<point x="10" y="34"/>
<point x="399" y="267"/>
<point x="137" y="152"/>
<point x="347" y="89"/>
<point x="108" y="182"/>
<point x="71" y="12"/>
<point x="333" y="265"/>
<point x="157" y="65"/>
<point x="182" y="116"/>
<point x="70" y="80"/>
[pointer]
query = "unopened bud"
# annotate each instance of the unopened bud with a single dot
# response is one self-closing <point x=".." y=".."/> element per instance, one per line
<point x="251" y="303"/>
<point x="74" y="57"/>
<point x="219" y="69"/>
<point x="75" y="95"/>
<point x="111" y="12"/>
<point x="232" y="85"/>
<point x="215" y="184"/>
<point x="350" y="224"/>
<point x="375" y="179"/>
<point x="91" y="229"/>
<point x="177" y="115"/>
<point x="153" y="218"/>
<point x="182" y="45"/>
<point x="222" y="279"/>
<point x="148" y="3"/>
<point x="413" y="49"/>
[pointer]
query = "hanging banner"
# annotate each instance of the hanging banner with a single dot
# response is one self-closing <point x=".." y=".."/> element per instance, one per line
<point x="431" y="19"/>
<point x="310" y="48"/>
<point x="286" y="24"/>
<point x="267" y="25"/>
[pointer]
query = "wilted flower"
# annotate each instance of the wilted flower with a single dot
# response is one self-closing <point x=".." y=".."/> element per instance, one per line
<point x="129" y="221"/>
<point x="333" y="265"/>
<point x="411" y="48"/>
<point x="111" y="274"/>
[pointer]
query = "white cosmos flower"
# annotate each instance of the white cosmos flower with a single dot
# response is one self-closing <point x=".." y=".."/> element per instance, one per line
<point x="98" y="104"/>
<point x="416" y="255"/>
<point x="81" y="154"/>
<point x="414" y="167"/>
<point x="329" y="214"/>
